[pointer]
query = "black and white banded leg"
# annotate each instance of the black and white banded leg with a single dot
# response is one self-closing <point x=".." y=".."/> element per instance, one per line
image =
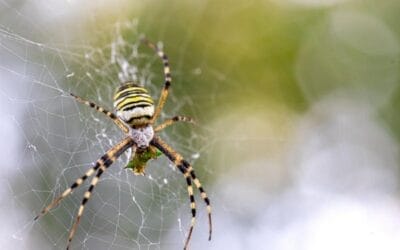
<point x="86" y="198"/>
<point x="188" y="172"/>
<point x="111" y="115"/>
<point x="167" y="77"/>
<point x="173" y="120"/>
<point x="100" y="166"/>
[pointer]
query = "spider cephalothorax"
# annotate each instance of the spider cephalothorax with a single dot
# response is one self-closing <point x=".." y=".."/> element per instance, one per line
<point x="135" y="116"/>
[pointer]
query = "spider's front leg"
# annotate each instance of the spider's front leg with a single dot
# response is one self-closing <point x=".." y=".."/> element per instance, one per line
<point x="104" y="163"/>
<point x="100" y="166"/>
<point x="188" y="172"/>
<point x="104" y="160"/>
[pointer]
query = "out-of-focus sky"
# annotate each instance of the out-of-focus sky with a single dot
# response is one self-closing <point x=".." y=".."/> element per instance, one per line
<point x="297" y="134"/>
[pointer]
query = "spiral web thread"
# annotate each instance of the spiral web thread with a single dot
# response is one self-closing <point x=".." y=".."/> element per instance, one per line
<point x="61" y="138"/>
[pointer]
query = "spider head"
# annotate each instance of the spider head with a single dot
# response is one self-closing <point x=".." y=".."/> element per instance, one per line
<point x="133" y="105"/>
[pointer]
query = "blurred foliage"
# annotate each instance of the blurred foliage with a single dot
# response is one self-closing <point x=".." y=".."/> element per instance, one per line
<point x="241" y="57"/>
<point x="246" y="50"/>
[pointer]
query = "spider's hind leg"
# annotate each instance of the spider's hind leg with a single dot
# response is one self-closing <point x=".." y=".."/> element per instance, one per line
<point x="109" y="114"/>
<point x="167" y="77"/>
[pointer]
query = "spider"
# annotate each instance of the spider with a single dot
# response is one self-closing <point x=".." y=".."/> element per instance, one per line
<point x="135" y="116"/>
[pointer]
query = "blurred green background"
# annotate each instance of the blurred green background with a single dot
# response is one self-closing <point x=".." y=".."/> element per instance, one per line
<point x="297" y="135"/>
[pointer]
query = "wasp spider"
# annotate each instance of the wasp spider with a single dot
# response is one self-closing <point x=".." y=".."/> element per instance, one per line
<point x="135" y="116"/>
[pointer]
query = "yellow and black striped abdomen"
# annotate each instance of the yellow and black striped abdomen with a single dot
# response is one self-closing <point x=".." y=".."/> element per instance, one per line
<point x="133" y="104"/>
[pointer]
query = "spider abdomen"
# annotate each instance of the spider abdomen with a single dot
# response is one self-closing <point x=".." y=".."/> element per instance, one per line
<point x="133" y="105"/>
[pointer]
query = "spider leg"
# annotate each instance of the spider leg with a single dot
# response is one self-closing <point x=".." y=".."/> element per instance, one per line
<point x="104" y="162"/>
<point x="167" y="77"/>
<point x="69" y="190"/>
<point x="188" y="172"/>
<point x="172" y="120"/>
<point x="192" y="206"/>
<point x="86" y="196"/>
<point x="111" y="115"/>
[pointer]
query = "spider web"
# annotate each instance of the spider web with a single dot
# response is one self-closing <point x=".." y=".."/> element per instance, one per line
<point x="297" y="142"/>
<point x="62" y="138"/>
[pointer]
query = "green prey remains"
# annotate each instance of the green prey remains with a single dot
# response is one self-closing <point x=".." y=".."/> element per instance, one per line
<point x="139" y="159"/>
